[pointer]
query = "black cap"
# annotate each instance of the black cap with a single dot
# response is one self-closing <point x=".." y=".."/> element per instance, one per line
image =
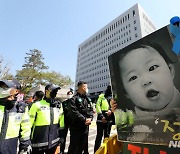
<point x="52" y="87"/>
<point x="80" y="83"/>
<point x="10" y="84"/>
<point x="6" y="86"/>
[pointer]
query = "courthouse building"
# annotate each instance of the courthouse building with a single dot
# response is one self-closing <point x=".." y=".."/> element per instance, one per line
<point x="92" y="59"/>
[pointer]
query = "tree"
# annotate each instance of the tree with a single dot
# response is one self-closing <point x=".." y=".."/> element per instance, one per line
<point x="31" y="70"/>
<point x="34" y="73"/>
<point x="56" y="78"/>
<point x="4" y="69"/>
<point x="34" y="61"/>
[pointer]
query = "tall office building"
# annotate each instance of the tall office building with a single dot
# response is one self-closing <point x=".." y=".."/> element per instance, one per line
<point x="92" y="61"/>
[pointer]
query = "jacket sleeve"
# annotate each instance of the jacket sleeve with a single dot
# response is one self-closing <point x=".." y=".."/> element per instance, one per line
<point x="25" y="131"/>
<point x="61" y="123"/>
<point x="98" y="107"/>
<point x="32" y="113"/>
<point x="61" y="118"/>
<point x="74" y="113"/>
<point x="91" y="110"/>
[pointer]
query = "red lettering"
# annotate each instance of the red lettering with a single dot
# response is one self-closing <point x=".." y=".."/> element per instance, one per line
<point x="134" y="149"/>
<point x="163" y="152"/>
<point x="146" y="151"/>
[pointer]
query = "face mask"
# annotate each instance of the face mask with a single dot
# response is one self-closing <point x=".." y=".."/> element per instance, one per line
<point x="87" y="90"/>
<point x="53" y="93"/>
<point x="4" y="92"/>
<point x="69" y="96"/>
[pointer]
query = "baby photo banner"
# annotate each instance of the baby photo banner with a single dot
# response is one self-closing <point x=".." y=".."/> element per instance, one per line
<point x="145" y="78"/>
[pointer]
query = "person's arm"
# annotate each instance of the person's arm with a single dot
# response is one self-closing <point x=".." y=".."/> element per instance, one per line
<point x="32" y="113"/>
<point x="98" y="108"/>
<point x="74" y="113"/>
<point x="113" y="105"/>
<point x="61" y="124"/>
<point x="25" y="132"/>
<point x="90" y="109"/>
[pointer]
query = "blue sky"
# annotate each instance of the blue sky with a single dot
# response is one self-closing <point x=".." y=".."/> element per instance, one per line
<point x="57" y="27"/>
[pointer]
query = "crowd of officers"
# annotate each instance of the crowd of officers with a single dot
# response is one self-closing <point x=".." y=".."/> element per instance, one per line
<point x="42" y="126"/>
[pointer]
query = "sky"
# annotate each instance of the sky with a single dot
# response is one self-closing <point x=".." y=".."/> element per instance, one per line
<point x="57" y="27"/>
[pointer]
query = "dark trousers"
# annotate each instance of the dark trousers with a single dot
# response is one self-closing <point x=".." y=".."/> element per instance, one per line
<point x="102" y="128"/>
<point x="66" y="122"/>
<point x="78" y="141"/>
<point x="47" y="151"/>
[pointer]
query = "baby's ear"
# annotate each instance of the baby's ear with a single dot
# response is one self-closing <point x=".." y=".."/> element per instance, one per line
<point x="172" y="70"/>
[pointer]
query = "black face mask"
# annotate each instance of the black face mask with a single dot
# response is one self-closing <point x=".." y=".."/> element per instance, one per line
<point x="53" y="93"/>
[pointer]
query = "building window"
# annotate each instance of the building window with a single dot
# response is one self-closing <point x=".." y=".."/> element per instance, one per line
<point x="134" y="13"/>
<point x="134" y="21"/>
<point x="125" y="18"/>
<point x="136" y="35"/>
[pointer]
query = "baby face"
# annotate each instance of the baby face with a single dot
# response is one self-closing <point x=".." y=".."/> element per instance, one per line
<point x="147" y="78"/>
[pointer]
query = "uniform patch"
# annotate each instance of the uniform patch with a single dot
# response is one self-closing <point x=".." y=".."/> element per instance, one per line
<point x="43" y="107"/>
<point x="79" y="100"/>
<point x="17" y="118"/>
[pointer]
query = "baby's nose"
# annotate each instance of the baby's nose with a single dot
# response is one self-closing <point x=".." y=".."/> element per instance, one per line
<point x="146" y="81"/>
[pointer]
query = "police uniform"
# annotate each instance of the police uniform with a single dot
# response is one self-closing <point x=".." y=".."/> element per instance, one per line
<point x="102" y="106"/>
<point x="14" y="125"/>
<point x="80" y="108"/>
<point x="47" y="122"/>
<point x="66" y="122"/>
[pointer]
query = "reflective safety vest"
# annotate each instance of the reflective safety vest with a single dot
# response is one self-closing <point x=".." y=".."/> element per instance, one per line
<point x="14" y="124"/>
<point x="102" y="106"/>
<point x="46" y="123"/>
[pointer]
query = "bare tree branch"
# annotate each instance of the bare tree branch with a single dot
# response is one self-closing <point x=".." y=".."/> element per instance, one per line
<point x="4" y="68"/>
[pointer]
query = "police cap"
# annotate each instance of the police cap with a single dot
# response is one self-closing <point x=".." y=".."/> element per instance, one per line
<point x="52" y="87"/>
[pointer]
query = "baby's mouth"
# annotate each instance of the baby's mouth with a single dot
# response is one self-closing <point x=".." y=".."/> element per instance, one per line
<point x="152" y="94"/>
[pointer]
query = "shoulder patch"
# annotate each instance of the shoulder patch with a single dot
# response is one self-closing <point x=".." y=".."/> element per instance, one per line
<point x="79" y="100"/>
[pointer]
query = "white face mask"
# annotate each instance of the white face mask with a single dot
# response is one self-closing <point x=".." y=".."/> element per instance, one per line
<point x="87" y="90"/>
<point x="5" y="92"/>
<point x="69" y="96"/>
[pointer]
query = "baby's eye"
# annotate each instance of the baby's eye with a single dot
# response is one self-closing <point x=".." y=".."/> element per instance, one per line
<point x="153" y="67"/>
<point x="132" y="78"/>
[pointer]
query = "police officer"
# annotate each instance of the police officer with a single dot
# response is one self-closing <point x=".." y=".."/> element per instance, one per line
<point x="47" y="121"/>
<point x="105" y="117"/>
<point x="66" y="117"/>
<point x="81" y="115"/>
<point x="14" y="120"/>
<point x="38" y="96"/>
